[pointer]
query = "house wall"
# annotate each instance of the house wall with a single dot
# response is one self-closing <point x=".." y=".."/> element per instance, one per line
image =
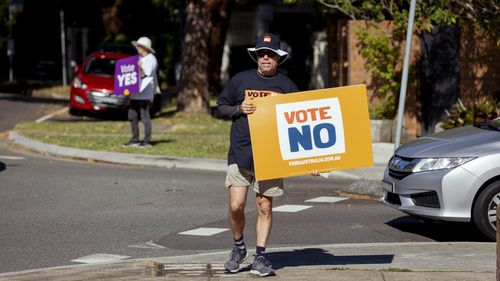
<point x="479" y="65"/>
<point x="357" y="73"/>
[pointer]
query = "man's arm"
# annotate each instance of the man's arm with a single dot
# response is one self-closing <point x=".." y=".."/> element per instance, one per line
<point x="233" y="111"/>
<point x="227" y="106"/>
<point x="228" y="111"/>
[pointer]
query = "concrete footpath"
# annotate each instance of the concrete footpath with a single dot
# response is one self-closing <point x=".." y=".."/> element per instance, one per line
<point x="441" y="261"/>
<point x="349" y="262"/>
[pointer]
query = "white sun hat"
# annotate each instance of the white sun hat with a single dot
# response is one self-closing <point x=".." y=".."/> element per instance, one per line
<point x="144" y="42"/>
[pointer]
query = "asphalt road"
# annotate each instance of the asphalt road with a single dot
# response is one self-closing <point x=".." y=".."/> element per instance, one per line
<point x="54" y="211"/>
<point x="17" y="108"/>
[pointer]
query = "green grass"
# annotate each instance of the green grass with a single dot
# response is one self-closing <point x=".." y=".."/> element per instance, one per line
<point x="179" y="135"/>
<point x="395" y="269"/>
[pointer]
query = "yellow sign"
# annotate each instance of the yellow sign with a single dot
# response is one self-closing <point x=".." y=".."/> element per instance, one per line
<point x="322" y="130"/>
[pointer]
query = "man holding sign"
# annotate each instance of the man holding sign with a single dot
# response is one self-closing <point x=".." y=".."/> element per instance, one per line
<point x="235" y="102"/>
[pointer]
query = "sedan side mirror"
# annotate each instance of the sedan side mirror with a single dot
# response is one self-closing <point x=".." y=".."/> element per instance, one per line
<point x="75" y="66"/>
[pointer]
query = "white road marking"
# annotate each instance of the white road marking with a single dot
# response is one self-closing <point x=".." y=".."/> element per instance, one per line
<point x="97" y="258"/>
<point x="326" y="199"/>
<point x="291" y="208"/>
<point x="147" y="245"/>
<point x="204" y="231"/>
<point x="48" y="116"/>
<point x="11" y="157"/>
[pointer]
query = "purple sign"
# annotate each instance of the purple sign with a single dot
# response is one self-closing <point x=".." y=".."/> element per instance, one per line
<point x="127" y="78"/>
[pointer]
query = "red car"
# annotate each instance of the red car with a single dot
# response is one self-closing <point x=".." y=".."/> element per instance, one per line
<point x="92" y="87"/>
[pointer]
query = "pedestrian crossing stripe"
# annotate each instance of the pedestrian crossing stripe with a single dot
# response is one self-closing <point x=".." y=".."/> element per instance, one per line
<point x="147" y="245"/>
<point x="99" y="258"/>
<point x="326" y="199"/>
<point x="6" y="157"/>
<point x="291" y="208"/>
<point x="204" y="231"/>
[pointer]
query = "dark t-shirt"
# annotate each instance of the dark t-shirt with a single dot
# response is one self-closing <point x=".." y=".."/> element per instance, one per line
<point x="247" y="84"/>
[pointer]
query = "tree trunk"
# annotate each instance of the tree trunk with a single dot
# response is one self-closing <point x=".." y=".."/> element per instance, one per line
<point x="205" y="32"/>
<point x="440" y="74"/>
<point x="112" y="24"/>
<point x="194" y="93"/>
<point x="220" y="20"/>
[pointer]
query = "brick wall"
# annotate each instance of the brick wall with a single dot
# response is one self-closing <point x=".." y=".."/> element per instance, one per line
<point x="479" y="65"/>
<point x="359" y="74"/>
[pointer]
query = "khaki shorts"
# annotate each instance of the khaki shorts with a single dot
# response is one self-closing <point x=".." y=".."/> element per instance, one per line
<point x="245" y="178"/>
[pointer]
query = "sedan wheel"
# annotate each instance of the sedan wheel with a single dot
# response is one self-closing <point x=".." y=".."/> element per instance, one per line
<point x="484" y="214"/>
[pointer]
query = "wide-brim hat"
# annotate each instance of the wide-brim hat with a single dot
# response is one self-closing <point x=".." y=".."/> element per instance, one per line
<point x="271" y="42"/>
<point x="144" y="42"/>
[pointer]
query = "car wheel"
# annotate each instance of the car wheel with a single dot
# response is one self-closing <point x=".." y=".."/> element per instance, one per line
<point x="75" y="112"/>
<point x="484" y="214"/>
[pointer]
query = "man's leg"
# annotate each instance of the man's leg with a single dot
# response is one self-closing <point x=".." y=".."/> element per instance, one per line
<point x="237" y="181"/>
<point x="264" y="200"/>
<point x="237" y="201"/>
<point x="264" y="219"/>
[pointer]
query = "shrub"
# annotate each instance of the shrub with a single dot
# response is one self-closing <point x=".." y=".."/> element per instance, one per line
<point x="481" y="110"/>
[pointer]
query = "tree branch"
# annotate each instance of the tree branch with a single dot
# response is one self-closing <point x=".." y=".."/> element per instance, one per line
<point x="337" y="7"/>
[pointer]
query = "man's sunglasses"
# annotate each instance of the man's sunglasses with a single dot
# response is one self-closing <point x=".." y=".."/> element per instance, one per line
<point x="269" y="53"/>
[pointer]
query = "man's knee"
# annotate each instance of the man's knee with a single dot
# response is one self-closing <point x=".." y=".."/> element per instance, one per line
<point x="237" y="206"/>
<point x="264" y="205"/>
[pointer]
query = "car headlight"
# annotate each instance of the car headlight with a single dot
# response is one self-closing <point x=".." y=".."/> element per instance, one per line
<point x="430" y="164"/>
<point x="77" y="83"/>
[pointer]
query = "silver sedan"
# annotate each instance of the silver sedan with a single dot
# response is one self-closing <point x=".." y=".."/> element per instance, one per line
<point x="451" y="176"/>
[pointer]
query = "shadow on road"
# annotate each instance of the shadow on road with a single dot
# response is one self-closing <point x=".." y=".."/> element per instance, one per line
<point x="438" y="230"/>
<point x="317" y="256"/>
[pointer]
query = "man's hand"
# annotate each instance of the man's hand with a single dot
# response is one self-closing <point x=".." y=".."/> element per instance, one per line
<point x="315" y="173"/>
<point x="247" y="107"/>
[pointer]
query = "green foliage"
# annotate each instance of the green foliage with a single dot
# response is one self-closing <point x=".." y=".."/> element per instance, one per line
<point x="382" y="55"/>
<point x="383" y="109"/>
<point x="169" y="57"/>
<point x="169" y="38"/>
<point x="397" y="269"/>
<point x="484" y="14"/>
<point x="382" y="51"/>
<point x="289" y="2"/>
<point x="162" y="26"/>
<point x="475" y="112"/>
<point x="5" y="22"/>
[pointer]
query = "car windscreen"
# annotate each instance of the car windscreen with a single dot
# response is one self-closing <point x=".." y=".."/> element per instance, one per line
<point x="118" y="48"/>
<point x="100" y="66"/>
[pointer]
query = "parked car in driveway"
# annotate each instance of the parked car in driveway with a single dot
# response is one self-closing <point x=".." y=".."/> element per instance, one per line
<point x="451" y="176"/>
<point x="92" y="88"/>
